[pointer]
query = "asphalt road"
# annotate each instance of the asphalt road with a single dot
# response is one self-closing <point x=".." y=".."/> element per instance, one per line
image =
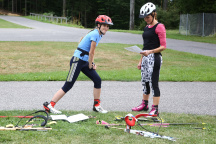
<point x="48" y="32"/>
<point x="176" y="97"/>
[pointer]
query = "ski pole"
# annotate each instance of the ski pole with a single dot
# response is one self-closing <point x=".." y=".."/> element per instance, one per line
<point x="17" y="116"/>
<point x="158" y="124"/>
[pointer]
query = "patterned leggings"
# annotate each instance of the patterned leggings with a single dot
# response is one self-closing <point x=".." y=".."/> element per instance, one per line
<point x="150" y="71"/>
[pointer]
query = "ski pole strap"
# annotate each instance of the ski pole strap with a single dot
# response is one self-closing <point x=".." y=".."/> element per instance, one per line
<point x="83" y="52"/>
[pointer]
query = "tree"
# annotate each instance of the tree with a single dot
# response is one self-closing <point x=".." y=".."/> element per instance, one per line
<point x="165" y="2"/>
<point x="25" y="7"/>
<point x="132" y="7"/>
<point x="64" y="8"/>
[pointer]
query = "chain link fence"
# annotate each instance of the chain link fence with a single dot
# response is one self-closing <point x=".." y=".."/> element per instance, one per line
<point x="201" y="24"/>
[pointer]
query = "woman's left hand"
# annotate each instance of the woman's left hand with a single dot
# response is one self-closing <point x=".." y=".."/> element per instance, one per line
<point x="146" y="52"/>
<point x="92" y="66"/>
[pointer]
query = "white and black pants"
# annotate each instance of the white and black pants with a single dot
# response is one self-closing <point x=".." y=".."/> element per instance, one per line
<point x="150" y="71"/>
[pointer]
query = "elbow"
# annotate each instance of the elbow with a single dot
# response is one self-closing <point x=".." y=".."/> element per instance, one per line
<point x="91" y="54"/>
<point x="163" y="48"/>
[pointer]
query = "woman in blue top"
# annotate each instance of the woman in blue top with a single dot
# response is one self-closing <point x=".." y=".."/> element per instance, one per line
<point x="83" y="60"/>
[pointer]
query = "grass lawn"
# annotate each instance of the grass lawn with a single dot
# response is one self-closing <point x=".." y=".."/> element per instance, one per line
<point x="44" y="61"/>
<point x="6" y="24"/>
<point x="88" y="132"/>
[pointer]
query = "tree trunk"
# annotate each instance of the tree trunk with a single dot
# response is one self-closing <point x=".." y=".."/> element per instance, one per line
<point x="16" y="6"/>
<point x="132" y="7"/>
<point x="12" y="6"/>
<point x="165" y="4"/>
<point x="36" y="8"/>
<point x="2" y="4"/>
<point x="64" y="8"/>
<point x="25" y="7"/>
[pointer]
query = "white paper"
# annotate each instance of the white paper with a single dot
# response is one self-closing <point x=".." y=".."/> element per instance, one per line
<point x="58" y="117"/>
<point x="134" y="49"/>
<point x="76" y="118"/>
<point x="71" y="119"/>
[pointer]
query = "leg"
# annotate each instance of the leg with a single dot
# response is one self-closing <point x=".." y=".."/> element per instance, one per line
<point x="146" y="97"/>
<point x="75" y="66"/>
<point x="92" y="74"/>
<point x="156" y="100"/>
<point x="145" y="83"/>
<point x="146" y="93"/>
<point x="97" y="92"/>
<point x="155" y="86"/>
<point x="60" y="93"/>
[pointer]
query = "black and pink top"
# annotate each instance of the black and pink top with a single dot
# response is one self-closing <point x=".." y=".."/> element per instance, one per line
<point x="154" y="36"/>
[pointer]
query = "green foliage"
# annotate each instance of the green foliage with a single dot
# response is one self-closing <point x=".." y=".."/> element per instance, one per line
<point x="170" y="17"/>
<point x="49" y="14"/>
<point x="196" y="6"/>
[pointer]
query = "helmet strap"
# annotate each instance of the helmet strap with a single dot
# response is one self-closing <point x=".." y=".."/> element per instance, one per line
<point x="152" y="17"/>
<point x="100" y="30"/>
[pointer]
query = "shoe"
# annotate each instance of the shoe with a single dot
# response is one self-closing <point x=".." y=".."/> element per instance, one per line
<point x="99" y="109"/>
<point x="141" y="107"/>
<point x="154" y="111"/>
<point x="48" y="107"/>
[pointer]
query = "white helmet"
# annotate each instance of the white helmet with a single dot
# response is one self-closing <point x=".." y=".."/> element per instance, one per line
<point x="147" y="9"/>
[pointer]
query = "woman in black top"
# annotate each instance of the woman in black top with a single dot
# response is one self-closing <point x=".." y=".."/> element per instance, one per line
<point x="154" y="37"/>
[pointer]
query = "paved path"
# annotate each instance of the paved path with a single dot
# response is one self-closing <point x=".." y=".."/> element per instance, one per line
<point x="177" y="97"/>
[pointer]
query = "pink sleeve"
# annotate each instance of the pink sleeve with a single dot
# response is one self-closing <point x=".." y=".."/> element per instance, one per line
<point x="161" y="32"/>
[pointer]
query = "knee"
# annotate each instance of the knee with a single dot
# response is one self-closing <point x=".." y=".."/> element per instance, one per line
<point x="67" y="86"/>
<point x="97" y="83"/>
<point x="156" y="91"/>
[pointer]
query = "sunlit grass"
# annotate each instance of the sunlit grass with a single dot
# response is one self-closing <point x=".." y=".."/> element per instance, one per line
<point x="42" y="61"/>
<point x="6" y="24"/>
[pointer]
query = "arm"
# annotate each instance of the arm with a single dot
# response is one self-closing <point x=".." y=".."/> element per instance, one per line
<point x="140" y="63"/>
<point x="157" y="50"/>
<point x="91" y="55"/>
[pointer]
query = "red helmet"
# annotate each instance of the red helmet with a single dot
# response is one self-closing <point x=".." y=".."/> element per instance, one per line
<point x="103" y="19"/>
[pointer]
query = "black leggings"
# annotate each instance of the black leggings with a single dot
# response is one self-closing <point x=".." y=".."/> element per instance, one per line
<point x="154" y="78"/>
<point x="77" y="65"/>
